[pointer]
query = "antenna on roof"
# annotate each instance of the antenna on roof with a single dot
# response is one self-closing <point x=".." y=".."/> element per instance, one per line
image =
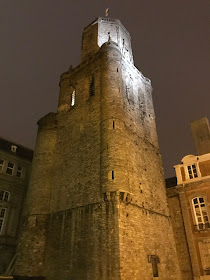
<point x="107" y="12"/>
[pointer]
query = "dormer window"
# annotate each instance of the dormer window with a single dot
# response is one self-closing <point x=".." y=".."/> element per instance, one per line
<point x="73" y="98"/>
<point x="13" y="148"/>
<point x="192" y="171"/>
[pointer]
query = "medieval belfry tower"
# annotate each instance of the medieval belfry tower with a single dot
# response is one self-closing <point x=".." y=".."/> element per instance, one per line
<point x="96" y="206"/>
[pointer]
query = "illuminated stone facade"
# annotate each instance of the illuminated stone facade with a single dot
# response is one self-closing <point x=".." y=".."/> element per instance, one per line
<point x="96" y="207"/>
<point x="189" y="203"/>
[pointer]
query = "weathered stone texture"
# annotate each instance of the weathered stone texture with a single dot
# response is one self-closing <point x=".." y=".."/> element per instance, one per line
<point x="31" y="246"/>
<point x="179" y="234"/>
<point x="140" y="232"/>
<point x="97" y="190"/>
<point x="83" y="243"/>
<point x="201" y="134"/>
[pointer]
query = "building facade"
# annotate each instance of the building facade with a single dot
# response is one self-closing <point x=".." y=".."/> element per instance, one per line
<point x="15" y="168"/>
<point x="189" y="202"/>
<point x="96" y="206"/>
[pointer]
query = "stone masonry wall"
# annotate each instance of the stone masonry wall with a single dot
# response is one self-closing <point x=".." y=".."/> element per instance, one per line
<point x="97" y="193"/>
<point x="83" y="243"/>
<point x="76" y="171"/>
<point x="142" y="233"/>
<point x="179" y="234"/>
<point x="31" y="243"/>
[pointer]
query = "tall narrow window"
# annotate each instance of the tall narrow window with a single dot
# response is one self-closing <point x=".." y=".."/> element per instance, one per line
<point x="142" y="101"/>
<point x="10" y="168"/>
<point x="92" y="87"/>
<point x="2" y="218"/>
<point x="73" y="98"/>
<point x="200" y="212"/>
<point x="192" y="171"/>
<point x="4" y="196"/>
<point x="1" y="164"/>
<point x="127" y="90"/>
<point x="19" y="171"/>
<point x="154" y="260"/>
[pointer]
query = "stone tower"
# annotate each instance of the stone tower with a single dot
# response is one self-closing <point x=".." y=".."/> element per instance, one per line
<point x="96" y="207"/>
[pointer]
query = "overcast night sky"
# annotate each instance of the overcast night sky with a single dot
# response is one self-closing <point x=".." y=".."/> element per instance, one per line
<point x="170" y="42"/>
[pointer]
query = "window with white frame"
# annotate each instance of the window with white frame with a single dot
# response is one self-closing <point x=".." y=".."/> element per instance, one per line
<point x="73" y="98"/>
<point x="19" y="171"/>
<point x="200" y="213"/>
<point x="10" y="168"/>
<point x="4" y="196"/>
<point x="192" y="171"/>
<point x="1" y="164"/>
<point x="2" y="218"/>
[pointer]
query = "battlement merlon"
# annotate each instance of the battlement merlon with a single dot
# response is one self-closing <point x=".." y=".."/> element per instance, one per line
<point x="100" y="31"/>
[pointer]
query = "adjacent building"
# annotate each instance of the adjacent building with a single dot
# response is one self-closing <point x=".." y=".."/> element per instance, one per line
<point x="15" y="168"/>
<point x="189" y="202"/>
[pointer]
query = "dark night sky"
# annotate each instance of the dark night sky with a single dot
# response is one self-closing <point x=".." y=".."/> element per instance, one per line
<point x="40" y="39"/>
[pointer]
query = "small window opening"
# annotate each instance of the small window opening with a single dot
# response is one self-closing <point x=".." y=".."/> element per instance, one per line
<point x="10" y="168"/>
<point x="73" y="98"/>
<point x="13" y="148"/>
<point x="92" y="87"/>
<point x="117" y="69"/>
<point x="121" y="195"/>
<point x="1" y="164"/>
<point x="113" y="124"/>
<point x="112" y="175"/>
<point x="2" y="217"/>
<point x="19" y="171"/>
<point x="126" y="89"/>
<point x="4" y="196"/>
<point x="154" y="260"/>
